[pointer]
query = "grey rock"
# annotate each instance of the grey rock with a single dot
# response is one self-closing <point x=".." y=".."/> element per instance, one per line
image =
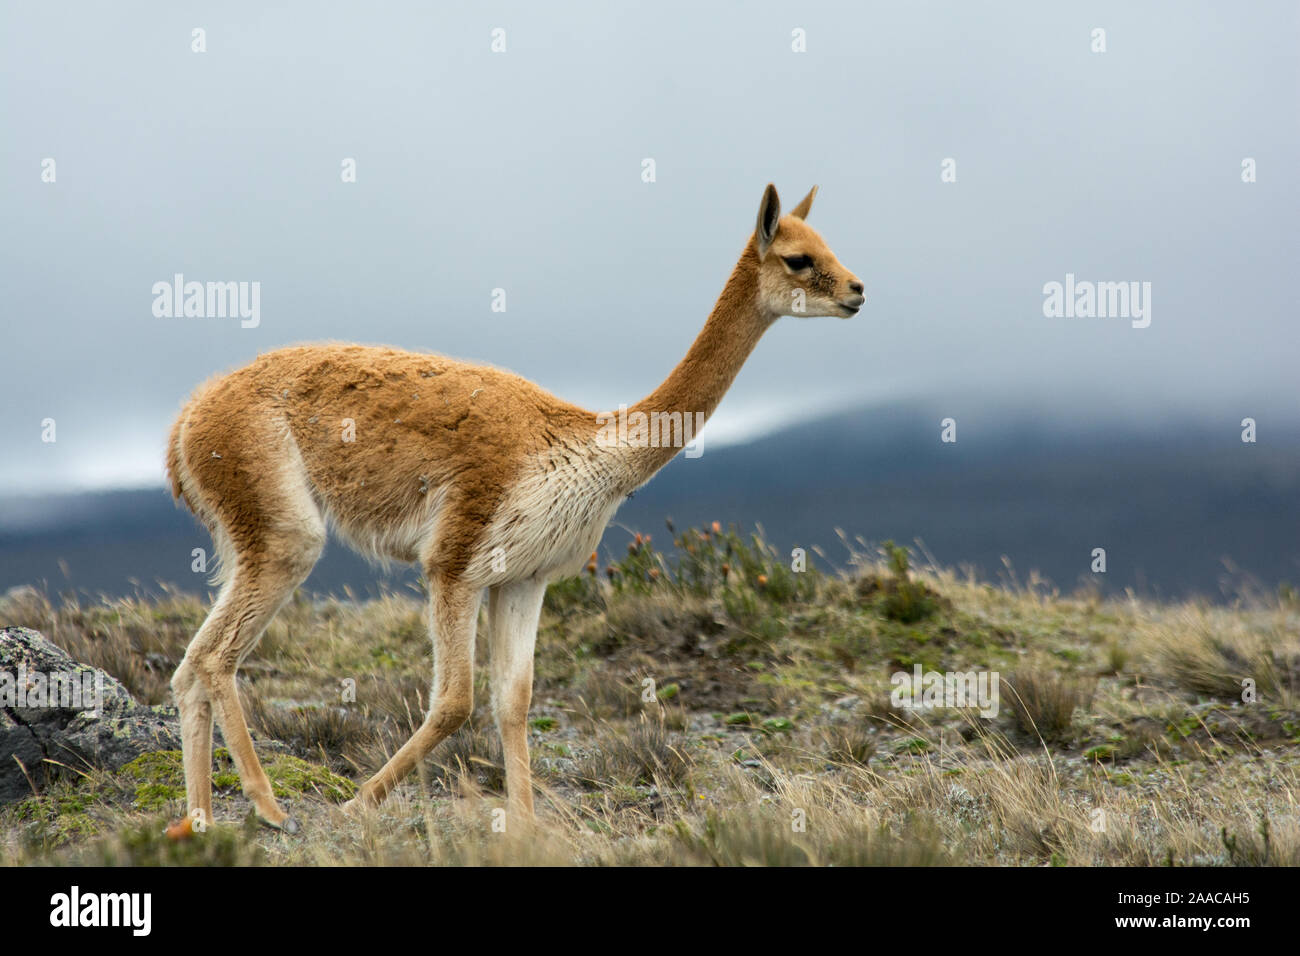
<point x="89" y="720"/>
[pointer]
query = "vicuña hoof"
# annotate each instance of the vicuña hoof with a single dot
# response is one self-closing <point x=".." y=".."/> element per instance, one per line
<point x="289" y="824"/>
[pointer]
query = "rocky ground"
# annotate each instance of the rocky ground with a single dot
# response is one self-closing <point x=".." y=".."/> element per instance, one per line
<point x="720" y="708"/>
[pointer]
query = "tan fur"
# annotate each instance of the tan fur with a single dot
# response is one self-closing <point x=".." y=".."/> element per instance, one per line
<point x="482" y="477"/>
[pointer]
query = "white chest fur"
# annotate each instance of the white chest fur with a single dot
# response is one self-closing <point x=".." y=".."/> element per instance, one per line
<point x="551" y="522"/>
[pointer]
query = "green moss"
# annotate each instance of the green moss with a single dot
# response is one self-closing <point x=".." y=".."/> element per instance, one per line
<point x="157" y="796"/>
<point x="542" y="723"/>
<point x="290" y="776"/>
<point x="159" y="777"/>
<point x="57" y="816"/>
<point x="156" y="767"/>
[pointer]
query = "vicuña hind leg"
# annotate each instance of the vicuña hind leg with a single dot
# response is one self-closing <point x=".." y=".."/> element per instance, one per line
<point x="269" y="532"/>
<point x="453" y="618"/>
<point x="195" y="708"/>
<point x="205" y="681"/>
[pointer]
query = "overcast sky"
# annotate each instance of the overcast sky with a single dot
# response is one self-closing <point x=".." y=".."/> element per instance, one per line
<point x="522" y="170"/>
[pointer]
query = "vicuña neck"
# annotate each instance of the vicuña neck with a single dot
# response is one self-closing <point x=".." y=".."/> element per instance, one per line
<point x="699" y="381"/>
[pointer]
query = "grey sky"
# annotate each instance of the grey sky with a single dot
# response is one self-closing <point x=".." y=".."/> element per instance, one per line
<point x="521" y="170"/>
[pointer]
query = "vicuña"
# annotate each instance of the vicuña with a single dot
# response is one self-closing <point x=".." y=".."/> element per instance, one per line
<point x="489" y="482"/>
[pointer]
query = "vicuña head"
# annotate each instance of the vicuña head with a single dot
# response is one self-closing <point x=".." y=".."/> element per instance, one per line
<point x="799" y="274"/>
<point x="491" y="484"/>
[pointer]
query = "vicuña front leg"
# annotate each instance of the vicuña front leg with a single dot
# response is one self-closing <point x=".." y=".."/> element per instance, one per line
<point x="513" y="610"/>
<point x="454" y="613"/>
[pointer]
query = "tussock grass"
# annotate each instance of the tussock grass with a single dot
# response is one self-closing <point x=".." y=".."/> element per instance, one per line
<point x="1213" y="651"/>
<point x="643" y="754"/>
<point x="1044" y="700"/>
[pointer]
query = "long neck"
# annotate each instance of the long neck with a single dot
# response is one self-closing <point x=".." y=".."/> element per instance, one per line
<point x="699" y="381"/>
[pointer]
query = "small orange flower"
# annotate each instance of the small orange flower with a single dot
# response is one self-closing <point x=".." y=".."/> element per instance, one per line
<point x="726" y="569"/>
<point x="654" y="574"/>
<point x="181" y="829"/>
<point x="762" y="580"/>
<point x="717" y="527"/>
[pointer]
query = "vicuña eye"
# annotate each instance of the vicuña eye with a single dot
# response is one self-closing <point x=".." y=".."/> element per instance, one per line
<point x="798" y="263"/>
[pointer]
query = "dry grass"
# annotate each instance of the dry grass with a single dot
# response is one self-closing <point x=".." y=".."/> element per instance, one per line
<point x="767" y="736"/>
<point x="1044" y="700"/>
<point x="642" y="754"/>
<point x="1214" y="652"/>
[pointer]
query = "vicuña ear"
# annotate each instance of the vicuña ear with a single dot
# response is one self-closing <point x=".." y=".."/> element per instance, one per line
<point x="769" y="214"/>
<point x="801" y="211"/>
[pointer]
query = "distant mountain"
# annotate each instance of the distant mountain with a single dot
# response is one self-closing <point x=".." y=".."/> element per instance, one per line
<point x="1170" y="506"/>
